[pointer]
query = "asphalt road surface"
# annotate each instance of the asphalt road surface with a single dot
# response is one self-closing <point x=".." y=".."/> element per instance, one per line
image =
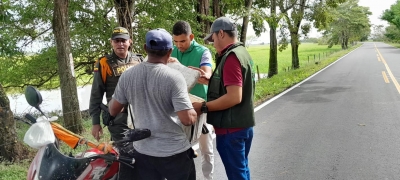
<point x="342" y="123"/>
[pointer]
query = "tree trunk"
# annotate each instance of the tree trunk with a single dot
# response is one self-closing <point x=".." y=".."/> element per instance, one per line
<point x="125" y="12"/>
<point x="203" y="8"/>
<point x="245" y="24"/>
<point x="10" y="148"/>
<point x="69" y="97"/>
<point x="273" y="45"/>
<point x="217" y="8"/>
<point x="294" y="42"/>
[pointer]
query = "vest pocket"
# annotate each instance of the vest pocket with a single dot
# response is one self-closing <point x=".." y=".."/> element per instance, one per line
<point x="214" y="88"/>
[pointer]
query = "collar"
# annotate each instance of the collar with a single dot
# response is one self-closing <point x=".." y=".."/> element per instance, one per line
<point x="225" y="49"/>
<point x="117" y="57"/>
<point x="229" y="47"/>
<point x="114" y="56"/>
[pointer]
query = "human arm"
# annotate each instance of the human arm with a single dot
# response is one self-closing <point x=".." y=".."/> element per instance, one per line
<point x="232" y="78"/>
<point x="96" y="98"/>
<point x="96" y="95"/>
<point x="228" y="100"/>
<point x="205" y="67"/>
<point x="187" y="117"/>
<point x="181" y="102"/>
<point x="115" y="107"/>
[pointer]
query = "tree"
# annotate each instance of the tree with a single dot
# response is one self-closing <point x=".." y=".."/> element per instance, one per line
<point x="11" y="149"/>
<point x="246" y="18"/>
<point x="203" y="11"/>
<point x="125" y="13"/>
<point x="34" y="62"/>
<point x="303" y="10"/>
<point x="293" y="21"/>
<point x="392" y="15"/>
<point x="392" y="33"/>
<point x="70" y="104"/>
<point x="239" y="10"/>
<point x="349" y="23"/>
<point x="273" y="44"/>
<point x="378" y="33"/>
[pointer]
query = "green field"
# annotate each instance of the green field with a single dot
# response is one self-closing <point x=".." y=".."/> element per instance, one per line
<point x="307" y="52"/>
<point x="265" y="88"/>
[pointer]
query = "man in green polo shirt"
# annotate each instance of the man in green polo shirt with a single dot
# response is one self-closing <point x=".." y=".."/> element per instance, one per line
<point x="190" y="53"/>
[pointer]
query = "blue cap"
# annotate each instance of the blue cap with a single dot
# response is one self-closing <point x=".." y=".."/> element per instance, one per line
<point x="158" y="39"/>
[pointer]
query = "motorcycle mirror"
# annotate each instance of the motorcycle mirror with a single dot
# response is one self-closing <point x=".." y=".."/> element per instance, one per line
<point x="33" y="97"/>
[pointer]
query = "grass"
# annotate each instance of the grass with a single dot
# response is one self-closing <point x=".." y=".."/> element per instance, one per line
<point x="265" y="89"/>
<point x="393" y="44"/>
<point x="307" y="52"/>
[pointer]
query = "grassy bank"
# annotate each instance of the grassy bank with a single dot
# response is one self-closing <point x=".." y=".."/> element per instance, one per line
<point x="265" y="89"/>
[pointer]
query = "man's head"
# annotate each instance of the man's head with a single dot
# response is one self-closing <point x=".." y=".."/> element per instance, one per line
<point x="120" y="41"/>
<point x="182" y="35"/>
<point x="222" y="32"/>
<point x="158" y="45"/>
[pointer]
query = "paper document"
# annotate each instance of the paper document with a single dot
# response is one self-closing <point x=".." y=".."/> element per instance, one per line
<point x="191" y="76"/>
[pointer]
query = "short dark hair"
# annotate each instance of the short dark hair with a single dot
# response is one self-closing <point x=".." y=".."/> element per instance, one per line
<point x="158" y="53"/>
<point x="181" y="27"/>
<point x="231" y="34"/>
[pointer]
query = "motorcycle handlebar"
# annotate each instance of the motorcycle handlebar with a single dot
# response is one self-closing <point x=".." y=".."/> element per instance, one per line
<point x="126" y="160"/>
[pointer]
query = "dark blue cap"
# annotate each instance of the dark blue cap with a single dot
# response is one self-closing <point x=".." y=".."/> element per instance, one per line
<point x="158" y="39"/>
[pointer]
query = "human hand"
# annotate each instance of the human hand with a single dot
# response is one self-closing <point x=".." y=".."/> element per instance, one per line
<point x="172" y="60"/>
<point x="197" y="107"/>
<point x="97" y="131"/>
<point x="204" y="77"/>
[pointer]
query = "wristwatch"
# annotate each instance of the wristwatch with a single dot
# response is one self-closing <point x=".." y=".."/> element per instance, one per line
<point x="204" y="108"/>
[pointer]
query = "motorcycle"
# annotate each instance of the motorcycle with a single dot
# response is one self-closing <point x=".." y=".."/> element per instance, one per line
<point x="100" y="162"/>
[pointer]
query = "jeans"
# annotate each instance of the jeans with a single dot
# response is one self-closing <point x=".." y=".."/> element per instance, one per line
<point x="234" y="150"/>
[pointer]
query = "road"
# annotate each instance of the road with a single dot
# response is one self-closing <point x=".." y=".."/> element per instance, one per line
<point x="341" y="123"/>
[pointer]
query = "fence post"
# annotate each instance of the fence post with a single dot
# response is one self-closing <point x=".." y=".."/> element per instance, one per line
<point x="258" y="73"/>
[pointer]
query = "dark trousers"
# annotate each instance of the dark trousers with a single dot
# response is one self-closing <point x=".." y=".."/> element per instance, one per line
<point x="234" y="150"/>
<point x="176" y="167"/>
<point x="119" y="126"/>
<point x="126" y="172"/>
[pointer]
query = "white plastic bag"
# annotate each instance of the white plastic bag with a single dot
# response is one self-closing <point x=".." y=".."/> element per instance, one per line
<point x="198" y="126"/>
<point x="40" y="133"/>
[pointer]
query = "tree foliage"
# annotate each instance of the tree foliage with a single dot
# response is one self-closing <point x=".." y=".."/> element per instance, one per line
<point x="392" y="15"/>
<point x="392" y="33"/>
<point x="349" y="23"/>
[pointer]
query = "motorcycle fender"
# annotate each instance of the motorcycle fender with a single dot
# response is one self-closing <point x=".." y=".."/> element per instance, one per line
<point x="35" y="165"/>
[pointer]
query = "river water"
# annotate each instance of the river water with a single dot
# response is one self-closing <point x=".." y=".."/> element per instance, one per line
<point x="51" y="101"/>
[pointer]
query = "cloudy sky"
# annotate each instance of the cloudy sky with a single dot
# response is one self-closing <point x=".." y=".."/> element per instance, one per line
<point x="375" y="6"/>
